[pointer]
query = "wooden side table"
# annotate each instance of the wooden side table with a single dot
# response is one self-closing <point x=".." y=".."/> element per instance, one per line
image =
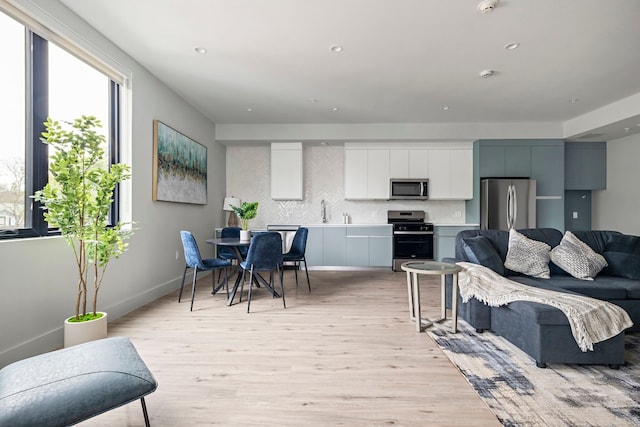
<point x="431" y="268"/>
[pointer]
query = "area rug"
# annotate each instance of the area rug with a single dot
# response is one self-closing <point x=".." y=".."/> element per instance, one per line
<point x="521" y="394"/>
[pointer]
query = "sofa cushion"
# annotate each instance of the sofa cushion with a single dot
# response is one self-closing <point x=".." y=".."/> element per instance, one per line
<point x="596" y="239"/>
<point x="527" y="256"/>
<point x="577" y="258"/>
<point x="479" y="250"/>
<point x="623" y="256"/>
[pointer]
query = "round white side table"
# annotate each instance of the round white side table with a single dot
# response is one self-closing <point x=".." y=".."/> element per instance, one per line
<point x="431" y="268"/>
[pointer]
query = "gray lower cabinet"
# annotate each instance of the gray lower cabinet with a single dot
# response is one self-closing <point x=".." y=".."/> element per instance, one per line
<point x="445" y="239"/>
<point x="370" y="246"/>
<point x="335" y="246"/>
<point x="354" y="246"/>
<point x="315" y="246"/>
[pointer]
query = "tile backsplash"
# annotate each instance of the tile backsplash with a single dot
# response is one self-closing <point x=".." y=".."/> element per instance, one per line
<point x="249" y="178"/>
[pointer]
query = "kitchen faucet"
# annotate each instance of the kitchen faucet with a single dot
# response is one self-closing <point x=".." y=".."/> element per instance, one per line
<point x="323" y="211"/>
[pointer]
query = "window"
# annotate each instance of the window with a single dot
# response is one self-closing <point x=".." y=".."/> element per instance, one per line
<point x="43" y="80"/>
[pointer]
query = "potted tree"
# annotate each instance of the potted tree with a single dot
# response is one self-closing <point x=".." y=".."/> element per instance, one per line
<point x="246" y="211"/>
<point x="77" y="200"/>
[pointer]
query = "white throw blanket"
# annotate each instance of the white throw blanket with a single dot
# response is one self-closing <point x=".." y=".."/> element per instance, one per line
<point x="591" y="320"/>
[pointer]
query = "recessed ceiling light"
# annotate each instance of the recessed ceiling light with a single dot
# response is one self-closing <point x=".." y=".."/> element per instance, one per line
<point x="336" y="48"/>
<point x="487" y="6"/>
<point x="512" y="46"/>
<point x="445" y="108"/>
<point x="626" y="130"/>
<point x="485" y="74"/>
<point x="314" y="100"/>
<point x="334" y="108"/>
<point x="199" y="49"/>
<point x="574" y="100"/>
<point x="250" y="109"/>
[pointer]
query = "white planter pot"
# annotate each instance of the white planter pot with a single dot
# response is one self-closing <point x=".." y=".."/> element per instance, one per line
<point x="81" y="332"/>
<point x="245" y="235"/>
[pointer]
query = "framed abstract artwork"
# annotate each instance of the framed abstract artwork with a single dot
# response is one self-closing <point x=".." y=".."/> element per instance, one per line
<point x="179" y="167"/>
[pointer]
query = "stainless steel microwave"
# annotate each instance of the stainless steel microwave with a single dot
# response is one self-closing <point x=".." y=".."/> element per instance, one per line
<point x="409" y="189"/>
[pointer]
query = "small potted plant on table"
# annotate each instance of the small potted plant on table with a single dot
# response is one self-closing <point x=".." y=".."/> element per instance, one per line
<point x="77" y="201"/>
<point x="246" y="211"/>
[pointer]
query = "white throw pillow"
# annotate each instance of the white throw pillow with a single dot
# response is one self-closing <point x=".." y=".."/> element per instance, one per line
<point x="577" y="258"/>
<point x="527" y="256"/>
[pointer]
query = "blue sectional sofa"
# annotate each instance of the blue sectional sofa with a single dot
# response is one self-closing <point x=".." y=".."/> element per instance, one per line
<point x="543" y="331"/>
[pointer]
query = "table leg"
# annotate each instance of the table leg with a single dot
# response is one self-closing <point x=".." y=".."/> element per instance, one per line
<point x="416" y="302"/>
<point x="443" y="302"/>
<point x="410" y="292"/>
<point x="232" y="294"/>
<point x="454" y="303"/>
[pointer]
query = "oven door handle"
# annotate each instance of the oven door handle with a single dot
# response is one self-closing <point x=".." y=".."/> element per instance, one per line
<point x="413" y="232"/>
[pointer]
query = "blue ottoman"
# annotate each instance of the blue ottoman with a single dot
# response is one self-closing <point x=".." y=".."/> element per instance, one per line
<point x="67" y="386"/>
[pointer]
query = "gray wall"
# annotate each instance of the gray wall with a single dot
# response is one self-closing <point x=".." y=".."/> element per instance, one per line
<point x="38" y="281"/>
<point x="617" y="207"/>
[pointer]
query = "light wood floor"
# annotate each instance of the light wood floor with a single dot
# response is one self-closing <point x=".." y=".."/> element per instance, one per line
<point x="345" y="354"/>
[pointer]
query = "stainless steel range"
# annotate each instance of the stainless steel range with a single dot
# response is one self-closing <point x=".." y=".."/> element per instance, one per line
<point x="412" y="237"/>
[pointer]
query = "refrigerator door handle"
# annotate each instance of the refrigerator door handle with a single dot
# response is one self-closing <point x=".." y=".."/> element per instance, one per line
<point x="509" y="224"/>
<point x="514" y="199"/>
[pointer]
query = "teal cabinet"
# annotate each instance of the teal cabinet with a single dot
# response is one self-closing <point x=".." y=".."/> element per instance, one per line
<point x="370" y="246"/>
<point x="543" y="160"/>
<point x="358" y="250"/>
<point x="315" y="246"/>
<point x="353" y="246"/>
<point x="380" y="251"/>
<point x="505" y="161"/>
<point x="585" y="165"/>
<point x="335" y="246"/>
<point x="547" y="169"/>
<point x="445" y="240"/>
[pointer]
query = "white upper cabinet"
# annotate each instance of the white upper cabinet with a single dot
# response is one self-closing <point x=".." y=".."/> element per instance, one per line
<point x="366" y="173"/>
<point x="451" y="174"/>
<point x="378" y="174"/>
<point x="448" y="166"/>
<point x="419" y="163"/>
<point x="286" y="171"/>
<point x="399" y="163"/>
<point x="408" y="163"/>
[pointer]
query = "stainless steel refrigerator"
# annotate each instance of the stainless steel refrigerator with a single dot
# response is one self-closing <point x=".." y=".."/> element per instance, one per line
<point x="507" y="203"/>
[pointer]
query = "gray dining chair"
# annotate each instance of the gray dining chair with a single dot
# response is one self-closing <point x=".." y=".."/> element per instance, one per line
<point x="193" y="260"/>
<point x="265" y="254"/>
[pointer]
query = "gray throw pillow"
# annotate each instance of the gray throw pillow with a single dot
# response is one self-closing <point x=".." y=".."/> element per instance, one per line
<point x="622" y="253"/>
<point x="480" y="250"/>
<point x="527" y="256"/>
<point x="577" y="258"/>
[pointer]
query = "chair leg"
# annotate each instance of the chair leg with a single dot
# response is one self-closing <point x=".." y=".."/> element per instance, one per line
<point x="184" y="276"/>
<point x="280" y="274"/>
<point x="306" y="270"/>
<point x="250" y="287"/>
<point x="193" y="286"/>
<point x="226" y="281"/>
<point x="296" y="266"/>
<point x="145" y="413"/>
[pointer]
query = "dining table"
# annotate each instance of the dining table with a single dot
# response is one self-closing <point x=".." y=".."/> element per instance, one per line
<point x="235" y="243"/>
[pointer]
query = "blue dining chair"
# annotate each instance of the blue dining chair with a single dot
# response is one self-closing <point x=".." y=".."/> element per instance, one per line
<point x="193" y="260"/>
<point x="229" y="253"/>
<point x="265" y="254"/>
<point x="297" y="251"/>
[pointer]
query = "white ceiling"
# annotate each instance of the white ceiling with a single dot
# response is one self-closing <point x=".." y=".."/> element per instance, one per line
<point x="269" y="61"/>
